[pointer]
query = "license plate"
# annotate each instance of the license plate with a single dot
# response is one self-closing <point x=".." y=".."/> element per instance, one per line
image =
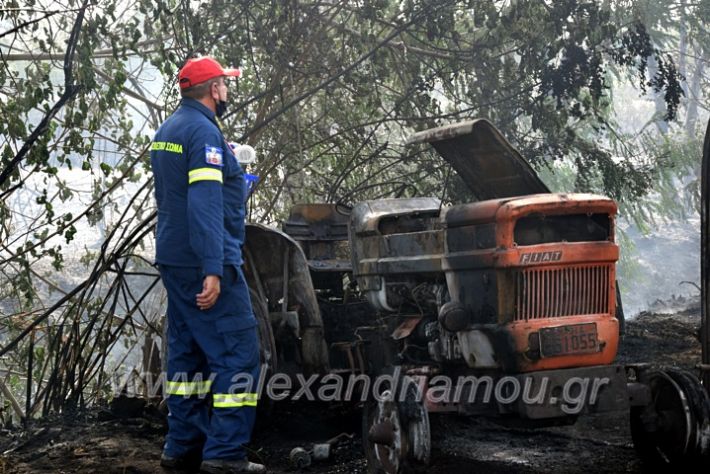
<point x="565" y="340"/>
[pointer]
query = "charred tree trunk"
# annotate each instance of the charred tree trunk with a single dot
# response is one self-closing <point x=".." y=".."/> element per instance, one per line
<point x="704" y="263"/>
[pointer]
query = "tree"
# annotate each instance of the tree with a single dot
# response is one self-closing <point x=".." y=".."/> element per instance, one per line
<point x="330" y="90"/>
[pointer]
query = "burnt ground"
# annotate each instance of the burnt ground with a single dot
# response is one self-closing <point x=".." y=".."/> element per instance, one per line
<point x="101" y="442"/>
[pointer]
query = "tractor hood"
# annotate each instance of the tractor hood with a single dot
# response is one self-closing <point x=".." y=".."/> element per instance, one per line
<point x="488" y="164"/>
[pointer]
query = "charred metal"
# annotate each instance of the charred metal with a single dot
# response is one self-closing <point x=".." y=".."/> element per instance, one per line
<point x="519" y="285"/>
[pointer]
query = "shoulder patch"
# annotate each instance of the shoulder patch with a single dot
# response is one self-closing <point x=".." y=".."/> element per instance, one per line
<point x="213" y="155"/>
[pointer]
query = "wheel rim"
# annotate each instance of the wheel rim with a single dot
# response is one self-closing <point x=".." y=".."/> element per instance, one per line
<point x="664" y="429"/>
<point x="398" y="432"/>
<point x="387" y="432"/>
<point x="699" y="402"/>
<point x="417" y="423"/>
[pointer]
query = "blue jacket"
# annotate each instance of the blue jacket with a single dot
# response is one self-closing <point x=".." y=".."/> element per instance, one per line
<point x="200" y="191"/>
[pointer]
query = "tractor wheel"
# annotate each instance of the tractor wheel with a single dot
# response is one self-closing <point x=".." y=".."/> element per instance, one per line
<point x="674" y="429"/>
<point x="699" y="400"/>
<point x="396" y="434"/>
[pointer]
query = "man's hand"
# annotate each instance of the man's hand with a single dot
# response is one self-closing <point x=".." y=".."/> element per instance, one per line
<point x="210" y="292"/>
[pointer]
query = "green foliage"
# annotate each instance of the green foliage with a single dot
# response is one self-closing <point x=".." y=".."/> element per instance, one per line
<point x="330" y="91"/>
<point x="545" y="82"/>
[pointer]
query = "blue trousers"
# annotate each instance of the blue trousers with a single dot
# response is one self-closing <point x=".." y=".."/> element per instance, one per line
<point x="213" y="366"/>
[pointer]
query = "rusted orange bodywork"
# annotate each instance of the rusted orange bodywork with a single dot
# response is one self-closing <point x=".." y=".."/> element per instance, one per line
<point x="543" y="285"/>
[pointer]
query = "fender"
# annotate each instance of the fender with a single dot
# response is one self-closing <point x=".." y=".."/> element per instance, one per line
<point x="277" y="270"/>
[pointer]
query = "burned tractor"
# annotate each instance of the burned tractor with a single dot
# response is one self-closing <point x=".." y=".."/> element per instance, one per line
<point x="515" y="291"/>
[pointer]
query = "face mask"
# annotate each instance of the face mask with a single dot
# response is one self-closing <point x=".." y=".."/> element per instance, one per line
<point x="221" y="108"/>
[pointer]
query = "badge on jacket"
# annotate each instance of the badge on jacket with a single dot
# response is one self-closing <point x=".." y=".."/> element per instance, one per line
<point x="213" y="155"/>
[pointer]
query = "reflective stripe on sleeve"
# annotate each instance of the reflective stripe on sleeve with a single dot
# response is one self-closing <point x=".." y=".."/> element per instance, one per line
<point x="204" y="174"/>
<point x="188" y="388"/>
<point x="232" y="400"/>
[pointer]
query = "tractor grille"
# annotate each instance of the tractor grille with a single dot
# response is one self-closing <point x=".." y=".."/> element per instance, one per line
<point x="559" y="292"/>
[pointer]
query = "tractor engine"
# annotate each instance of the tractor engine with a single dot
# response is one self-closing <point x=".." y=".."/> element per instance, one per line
<point x="514" y="284"/>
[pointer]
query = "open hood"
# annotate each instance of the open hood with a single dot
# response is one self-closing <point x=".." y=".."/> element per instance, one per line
<point x="485" y="160"/>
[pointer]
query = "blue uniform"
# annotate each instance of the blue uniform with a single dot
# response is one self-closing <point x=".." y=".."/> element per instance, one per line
<point x="213" y="355"/>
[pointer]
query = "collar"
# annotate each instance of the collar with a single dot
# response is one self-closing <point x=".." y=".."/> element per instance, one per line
<point x="197" y="105"/>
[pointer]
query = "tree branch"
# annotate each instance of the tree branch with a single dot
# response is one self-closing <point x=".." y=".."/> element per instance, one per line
<point x="331" y="79"/>
<point x="27" y="23"/>
<point x="70" y="91"/>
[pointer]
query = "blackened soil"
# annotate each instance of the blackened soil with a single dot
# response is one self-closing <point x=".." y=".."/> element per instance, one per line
<point x="100" y="441"/>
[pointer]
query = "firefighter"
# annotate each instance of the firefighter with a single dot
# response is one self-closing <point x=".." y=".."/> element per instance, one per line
<point x="213" y="348"/>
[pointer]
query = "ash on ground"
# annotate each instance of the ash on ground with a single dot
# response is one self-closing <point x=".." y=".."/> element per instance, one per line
<point x="129" y="440"/>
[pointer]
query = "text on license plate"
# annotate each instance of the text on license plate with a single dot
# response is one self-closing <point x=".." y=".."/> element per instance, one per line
<point x="572" y="339"/>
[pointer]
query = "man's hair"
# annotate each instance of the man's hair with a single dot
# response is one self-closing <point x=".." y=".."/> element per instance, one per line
<point x="200" y="90"/>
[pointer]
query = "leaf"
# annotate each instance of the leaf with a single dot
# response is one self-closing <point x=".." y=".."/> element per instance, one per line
<point x="105" y="168"/>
